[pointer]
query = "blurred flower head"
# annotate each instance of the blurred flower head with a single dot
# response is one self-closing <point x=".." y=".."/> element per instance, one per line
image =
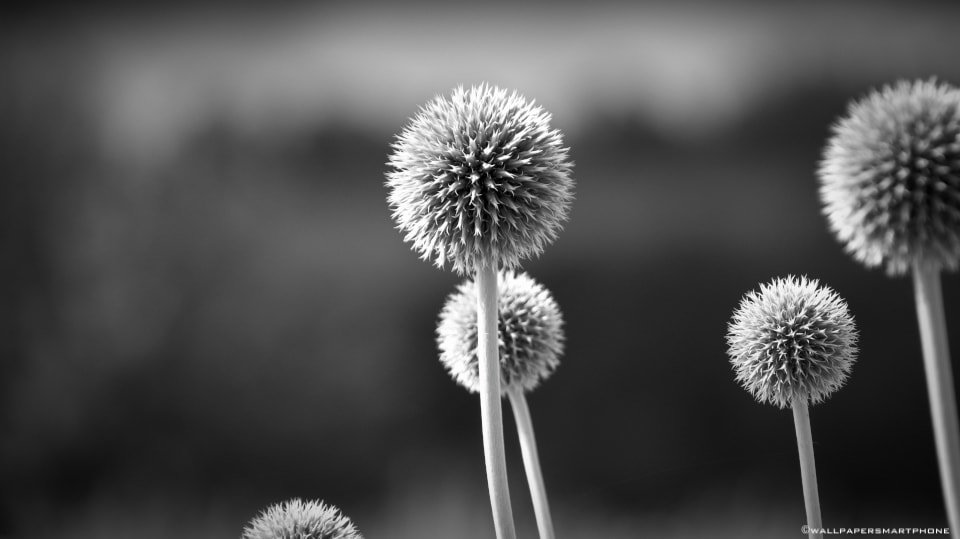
<point x="479" y="178"/>
<point x="890" y="177"/>
<point x="296" y="519"/>
<point x="794" y="339"/>
<point x="529" y="333"/>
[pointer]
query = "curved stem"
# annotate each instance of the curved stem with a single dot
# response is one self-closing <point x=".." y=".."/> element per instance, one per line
<point x="808" y="467"/>
<point x="491" y="412"/>
<point x="943" y="398"/>
<point x="531" y="461"/>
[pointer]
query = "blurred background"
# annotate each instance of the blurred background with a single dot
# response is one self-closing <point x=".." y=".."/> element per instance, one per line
<point x="207" y="309"/>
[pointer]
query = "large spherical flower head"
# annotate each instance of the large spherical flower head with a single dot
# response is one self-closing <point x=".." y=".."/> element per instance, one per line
<point x="480" y="178"/>
<point x="529" y="331"/>
<point x="794" y="339"/>
<point x="296" y="519"/>
<point x="890" y="177"/>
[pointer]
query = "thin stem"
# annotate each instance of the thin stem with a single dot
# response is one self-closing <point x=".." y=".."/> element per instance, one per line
<point x="491" y="411"/>
<point x="808" y="467"/>
<point x="943" y="399"/>
<point x="531" y="461"/>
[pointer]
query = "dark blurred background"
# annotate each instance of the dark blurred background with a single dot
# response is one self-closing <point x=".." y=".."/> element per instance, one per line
<point x="206" y="308"/>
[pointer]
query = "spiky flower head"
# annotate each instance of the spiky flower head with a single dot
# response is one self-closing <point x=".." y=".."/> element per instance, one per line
<point x="794" y="339"/>
<point x="890" y="177"/>
<point x="479" y="178"/>
<point x="529" y="333"/>
<point x="296" y="519"/>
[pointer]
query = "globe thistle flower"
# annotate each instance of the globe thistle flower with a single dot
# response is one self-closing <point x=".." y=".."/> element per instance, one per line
<point x="890" y="183"/>
<point x="296" y="519"/>
<point x="792" y="340"/>
<point x="890" y="177"/>
<point x="529" y="340"/>
<point x="479" y="178"/>
<point x="529" y="328"/>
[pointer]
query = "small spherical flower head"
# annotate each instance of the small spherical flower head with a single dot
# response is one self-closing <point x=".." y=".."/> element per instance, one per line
<point x="794" y="339"/>
<point x="890" y="177"/>
<point x="529" y="333"/>
<point x="480" y="178"/>
<point x="296" y="519"/>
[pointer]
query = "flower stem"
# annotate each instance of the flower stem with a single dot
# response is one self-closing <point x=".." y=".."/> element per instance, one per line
<point x="943" y="399"/>
<point x="808" y="467"/>
<point x="531" y="461"/>
<point x="491" y="411"/>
